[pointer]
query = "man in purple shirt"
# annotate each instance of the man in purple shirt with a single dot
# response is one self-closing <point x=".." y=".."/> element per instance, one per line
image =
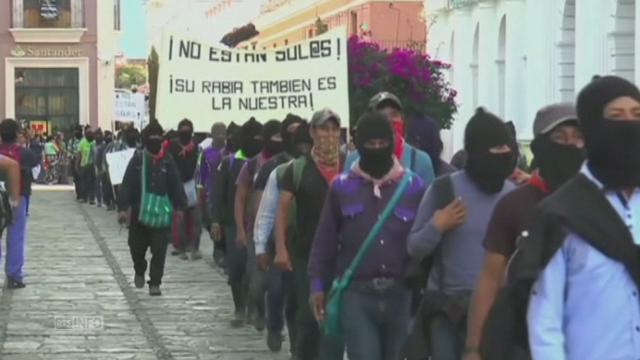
<point x="377" y="302"/>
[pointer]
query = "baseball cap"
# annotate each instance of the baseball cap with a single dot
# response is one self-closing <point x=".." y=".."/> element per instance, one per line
<point x="384" y="96"/>
<point x="549" y="117"/>
<point x="321" y="116"/>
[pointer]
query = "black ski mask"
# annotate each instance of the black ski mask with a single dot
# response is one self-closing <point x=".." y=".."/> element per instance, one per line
<point x="185" y="131"/>
<point x="153" y="145"/>
<point x="375" y="162"/>
<point x="233" y="137"/>
<point x="489" y="171"/>
<point x="270" y="146"/>
<point x="302" y="140"/>
<point x="557" y="163"/>
<point x="613" y="147"/>
<point x="251" y="142"/>
<point x="287" y="136"/>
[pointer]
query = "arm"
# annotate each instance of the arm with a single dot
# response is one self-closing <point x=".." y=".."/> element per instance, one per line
<point x="424" y="236"/>
<point x="125" y="189"/>
<point x="242" y="193"/>
<point x="324" y="248"/>
<point x="546" y="311"/>
<point x="266" y="214"/>
<point x="483" y="298"/>
<point x="282" y="254"/>
<point x="12" y="169"/>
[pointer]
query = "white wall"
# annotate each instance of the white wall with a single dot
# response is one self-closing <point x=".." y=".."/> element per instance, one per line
<point x="108" y="48"/>
<point x="545" y="59"/>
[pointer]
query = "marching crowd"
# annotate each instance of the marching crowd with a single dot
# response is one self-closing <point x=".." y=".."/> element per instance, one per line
<point x="379" y="248"/>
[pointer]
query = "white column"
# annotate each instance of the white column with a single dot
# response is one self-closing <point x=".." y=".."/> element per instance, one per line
<point x="592" y="20"/>
<point x="463" y="48"/>
<point x="516" y="89"/>
<point x="18" y="14"/>
<point x="77" y="14"/>
<point x="488" y="50"/>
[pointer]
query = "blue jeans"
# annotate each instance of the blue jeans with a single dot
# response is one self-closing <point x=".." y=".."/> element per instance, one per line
<point x="16" y="235"/>
<point x="447" y="339"/>
<point x="375" y="322"/>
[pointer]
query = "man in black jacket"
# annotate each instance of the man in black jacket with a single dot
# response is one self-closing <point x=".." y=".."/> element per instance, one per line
<point x="162" y="179"/>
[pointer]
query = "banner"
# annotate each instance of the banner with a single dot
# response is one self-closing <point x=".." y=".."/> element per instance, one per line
<point x="129" y="107"/>
<point x="118" y="162"/>
<point x="206" y="84"/>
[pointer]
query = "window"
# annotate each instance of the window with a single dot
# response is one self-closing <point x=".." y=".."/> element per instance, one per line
<point x="47" y="13"/>
<point x="354" y="23"/>
<point x="116" y="15"/>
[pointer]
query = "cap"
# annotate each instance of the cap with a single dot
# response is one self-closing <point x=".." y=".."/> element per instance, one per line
<point x="553" y="115"/>
<point x="381" y="97"/>
<point x="321" y="116"/>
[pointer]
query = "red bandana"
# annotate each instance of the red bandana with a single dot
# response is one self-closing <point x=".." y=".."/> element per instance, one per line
<point x="537" y="182"/>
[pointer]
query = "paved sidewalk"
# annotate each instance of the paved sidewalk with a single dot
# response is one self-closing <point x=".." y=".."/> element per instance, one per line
<point x="80" y="276"/>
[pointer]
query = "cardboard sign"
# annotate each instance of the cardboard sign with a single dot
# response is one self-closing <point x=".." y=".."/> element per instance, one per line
<point x="118" y="162"/>
<point x="129" y="107"/>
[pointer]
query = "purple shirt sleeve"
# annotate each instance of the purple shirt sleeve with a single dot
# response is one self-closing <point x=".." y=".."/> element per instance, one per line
<point x="324" y="248"/>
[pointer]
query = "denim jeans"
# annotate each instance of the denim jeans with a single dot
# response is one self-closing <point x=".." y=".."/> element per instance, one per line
<point x="16" y="236"/>
<point x="447" y="339"/>
<point x="375" y="321"/>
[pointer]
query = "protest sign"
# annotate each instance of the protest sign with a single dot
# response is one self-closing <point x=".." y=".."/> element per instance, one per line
<point x="207" y="84"/>
<point x="118" y="162"/>
<point x="129" y="107"/>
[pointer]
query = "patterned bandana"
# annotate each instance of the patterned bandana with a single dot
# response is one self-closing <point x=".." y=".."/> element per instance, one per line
<point x="326" y="150"/>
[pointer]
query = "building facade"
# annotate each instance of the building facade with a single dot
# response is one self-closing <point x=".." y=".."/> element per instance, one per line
<point x="515" y="56"/>
<point x="58" y="62"/>
<point x="391" y="24"/>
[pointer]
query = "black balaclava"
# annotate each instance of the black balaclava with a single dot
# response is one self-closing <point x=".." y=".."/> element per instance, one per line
<point x="613" y="147"/>
<point x="98" y="136"/>
<point x="89" y="135"/>
<point x="250" y="142"/>
<point x="287" y="137"/>
<point x="77" y="132"/>
<point x="234" y="137"/>
<point x="108" y="137"/>
<point x="271" y="147"/>
<point x="152" y="145"/>
<point x="184" y="135"/>
<point x="131" y="137"/>
<point x="487" y="170"/>
<point x="557" y="163"/>
<point x="424" y="134"/>
<point x="302" y="140"/>
<point x="375" y="162"/>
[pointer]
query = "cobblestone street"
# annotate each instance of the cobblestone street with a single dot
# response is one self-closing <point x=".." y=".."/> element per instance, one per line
<point x="79" y="274"/>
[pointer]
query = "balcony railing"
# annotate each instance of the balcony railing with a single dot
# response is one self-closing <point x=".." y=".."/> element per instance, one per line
<point x="36" y="21"/>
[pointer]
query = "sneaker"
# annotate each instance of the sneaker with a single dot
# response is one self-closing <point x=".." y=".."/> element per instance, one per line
<point x="238" y="320"/>
<point x="154" y="290"/>
<point x="14" y="284"/>
<point x="196" y="255"/>
<point x="274" y="341"/>
<point x="138" y="280"/>
<point x="259" y="323"/>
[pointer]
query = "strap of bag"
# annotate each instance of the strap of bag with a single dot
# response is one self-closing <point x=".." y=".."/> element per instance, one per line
<point x="298" y="168"/>
<point x="144" y="173"/>
<point x="368" y="242"/>
<point x="412" y="165"/>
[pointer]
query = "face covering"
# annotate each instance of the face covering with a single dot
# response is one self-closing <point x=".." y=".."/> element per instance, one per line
<point x="153" y="146"/>
<point x="489" y="171"/>
<point x="272" y="147"/>
<point x="252" y="147"/>
<point x="557" y="162"/>
<point x="108" y="139"/>
<point x="398" y="129"/>
<point x="90" y="137"/>
<point x="376" y="162"/>
<point x="614" y="154"/>
<point x="218" y="142"/>
<point x="78" y="135"/>
<point x="185" y="137"/>
<point x="327" y="149"/>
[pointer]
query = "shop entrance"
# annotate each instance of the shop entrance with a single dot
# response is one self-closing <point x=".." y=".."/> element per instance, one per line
<point x="48" y="98"/>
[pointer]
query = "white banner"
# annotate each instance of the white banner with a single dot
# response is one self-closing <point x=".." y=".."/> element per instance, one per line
<point x="129" y="107"/>
<point x="207" y="84"/>
<point x="118" y="162"/>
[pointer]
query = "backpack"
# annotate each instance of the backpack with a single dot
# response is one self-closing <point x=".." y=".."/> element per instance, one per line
<point x="14" y="151"/>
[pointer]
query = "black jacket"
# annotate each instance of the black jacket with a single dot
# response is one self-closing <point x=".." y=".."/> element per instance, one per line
<point x="187" y="162"/>
<point x="162" y="179"/>
<point x="579" y="207"/>
<point x="223" y="206"/>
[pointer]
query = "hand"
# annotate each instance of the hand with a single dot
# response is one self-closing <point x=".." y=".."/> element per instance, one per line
<point x="216" y="232"/>
<point x="178" y="216"/>
<point x="263" y="261"/>
<point x="123" y="218"/>
<point x="282" y="261"/>
<point x="472" y="355"/>
<point x="241" y="239"/>
<point x="519" y="177"/>
<point x="451" y="216"/>
<point x="317" y="306"/>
